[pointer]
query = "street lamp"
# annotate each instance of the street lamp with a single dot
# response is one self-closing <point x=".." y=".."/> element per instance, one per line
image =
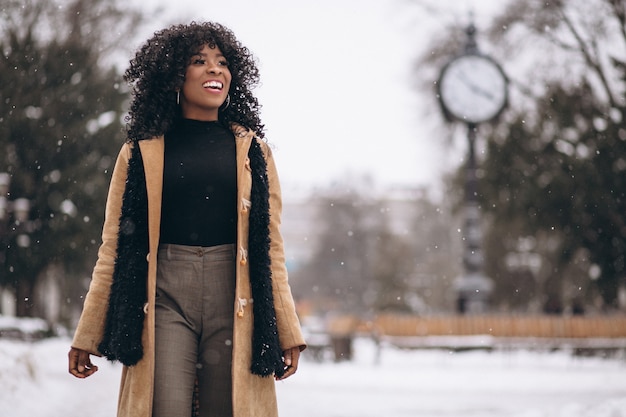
<point x="472" y="89"/>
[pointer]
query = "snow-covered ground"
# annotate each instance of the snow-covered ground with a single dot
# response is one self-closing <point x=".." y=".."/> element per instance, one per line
<point x="34" y="382"/>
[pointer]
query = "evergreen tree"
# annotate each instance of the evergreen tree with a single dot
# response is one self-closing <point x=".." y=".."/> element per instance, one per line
<point x="566" y="173"/>
<point x="554" y="169"/>
<point x="60" y="130"/>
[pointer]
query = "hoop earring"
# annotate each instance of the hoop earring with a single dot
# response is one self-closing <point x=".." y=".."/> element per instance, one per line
<point x="178" y="98"/>
<point x="226" y="102"/>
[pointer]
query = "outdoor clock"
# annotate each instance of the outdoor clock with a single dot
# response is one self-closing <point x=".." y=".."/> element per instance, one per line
<point x="472" y="88"/>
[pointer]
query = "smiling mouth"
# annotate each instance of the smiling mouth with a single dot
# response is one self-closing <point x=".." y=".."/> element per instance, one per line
<point x="213" y="85"/>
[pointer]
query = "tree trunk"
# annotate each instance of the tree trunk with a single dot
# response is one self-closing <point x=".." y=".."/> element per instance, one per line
<point x="24" y="292"/>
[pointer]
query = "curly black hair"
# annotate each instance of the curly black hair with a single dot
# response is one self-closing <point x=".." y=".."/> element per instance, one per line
<point x="157" y="72"/>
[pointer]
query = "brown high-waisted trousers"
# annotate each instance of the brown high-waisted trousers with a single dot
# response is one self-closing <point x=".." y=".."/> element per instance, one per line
<point x="194" y="330"/>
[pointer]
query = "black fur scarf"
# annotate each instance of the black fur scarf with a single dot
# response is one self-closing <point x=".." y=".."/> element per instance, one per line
<point x="125" y="315"/>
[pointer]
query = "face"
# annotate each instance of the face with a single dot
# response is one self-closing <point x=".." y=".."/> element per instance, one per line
<point x="207" y="81"/>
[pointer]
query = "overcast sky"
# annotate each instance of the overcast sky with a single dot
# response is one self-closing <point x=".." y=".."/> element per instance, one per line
<point x="338" y="94"/>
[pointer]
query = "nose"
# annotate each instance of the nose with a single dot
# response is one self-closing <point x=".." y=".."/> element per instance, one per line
<point x="213" y="68"/>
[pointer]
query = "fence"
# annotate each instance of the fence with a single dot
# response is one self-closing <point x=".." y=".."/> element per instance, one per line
<point x="583" y="335"/>
<point x="500" y="326"/>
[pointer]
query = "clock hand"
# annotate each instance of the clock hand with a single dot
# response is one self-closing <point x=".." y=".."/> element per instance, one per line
<point x="480" y="91"/>
<point x="476" y="89"/>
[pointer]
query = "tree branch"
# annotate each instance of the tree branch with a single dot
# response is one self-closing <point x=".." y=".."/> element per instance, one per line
<point x="593" y="62"/>
<point x="619" y="10"/>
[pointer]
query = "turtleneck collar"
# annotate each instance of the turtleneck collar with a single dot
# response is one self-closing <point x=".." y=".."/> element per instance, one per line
<point x="195" y="126"/>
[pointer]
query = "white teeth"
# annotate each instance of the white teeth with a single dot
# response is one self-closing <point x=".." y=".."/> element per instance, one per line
<point x="213" y="84"/>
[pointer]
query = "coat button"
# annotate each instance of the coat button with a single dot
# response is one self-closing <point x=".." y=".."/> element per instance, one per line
<point x="148" y="257"/>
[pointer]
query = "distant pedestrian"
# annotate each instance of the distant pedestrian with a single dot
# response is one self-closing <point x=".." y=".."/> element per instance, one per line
<point x="190" y="289"/>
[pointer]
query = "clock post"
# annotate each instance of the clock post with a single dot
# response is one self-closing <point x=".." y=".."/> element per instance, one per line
<point x="472" y="89"/>
<point x="473" y="287"/>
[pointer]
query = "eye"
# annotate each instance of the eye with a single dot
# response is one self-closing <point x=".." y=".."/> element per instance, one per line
<point x="198" y="61"/>
<point x="223" y="63"/>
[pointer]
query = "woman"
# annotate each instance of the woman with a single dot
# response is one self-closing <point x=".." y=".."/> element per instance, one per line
<point x="190" y="289"/>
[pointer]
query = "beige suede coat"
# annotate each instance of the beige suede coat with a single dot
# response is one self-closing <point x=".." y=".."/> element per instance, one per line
<point x="252" y="395"/>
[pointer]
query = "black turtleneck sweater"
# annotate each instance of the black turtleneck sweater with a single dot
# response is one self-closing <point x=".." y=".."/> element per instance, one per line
<point x="199" y="206"/>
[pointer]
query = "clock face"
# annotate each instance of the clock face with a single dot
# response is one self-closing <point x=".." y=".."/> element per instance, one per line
<point x="473" y="88"/>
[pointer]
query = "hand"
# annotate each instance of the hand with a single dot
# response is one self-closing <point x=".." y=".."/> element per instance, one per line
<point x="290" y="359"/>
<point x="80" y="363"/>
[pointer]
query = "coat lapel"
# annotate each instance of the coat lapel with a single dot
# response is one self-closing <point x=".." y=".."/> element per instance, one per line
<point x="152" y="153"/>
<point x="243" y="139"/>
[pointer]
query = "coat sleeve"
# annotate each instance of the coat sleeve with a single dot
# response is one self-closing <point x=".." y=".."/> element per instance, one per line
<point x="91" y="324"/>
<point x="289" y="330"/>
